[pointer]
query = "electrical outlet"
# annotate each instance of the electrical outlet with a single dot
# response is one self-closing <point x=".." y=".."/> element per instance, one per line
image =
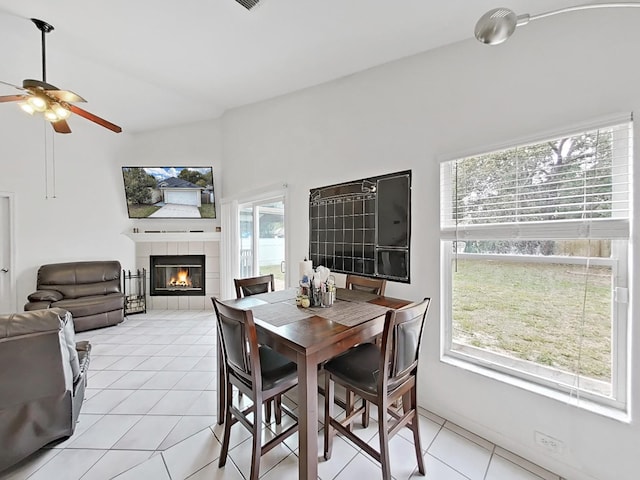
<point x="549" y="443"/>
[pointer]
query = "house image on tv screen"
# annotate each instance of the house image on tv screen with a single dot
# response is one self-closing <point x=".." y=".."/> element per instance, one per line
<point x="169" y="192"/>
<point x="178" y="191"/>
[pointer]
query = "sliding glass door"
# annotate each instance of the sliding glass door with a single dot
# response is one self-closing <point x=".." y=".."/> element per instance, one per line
<point x="262" y="239"/>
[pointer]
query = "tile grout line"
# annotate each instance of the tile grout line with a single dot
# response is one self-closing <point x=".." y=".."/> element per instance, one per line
<point x="166" y="467"/>
<point x="94" y="463"/>
<point x="40" y="467"/>
<point x="486" y="471"/>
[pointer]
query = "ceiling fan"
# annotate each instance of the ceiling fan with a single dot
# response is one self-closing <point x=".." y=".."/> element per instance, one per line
<point x="54" y="104"/>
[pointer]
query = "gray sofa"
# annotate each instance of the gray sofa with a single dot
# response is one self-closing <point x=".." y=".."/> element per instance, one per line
<point x="42" y="383"/>
<point x="91" y="291"/>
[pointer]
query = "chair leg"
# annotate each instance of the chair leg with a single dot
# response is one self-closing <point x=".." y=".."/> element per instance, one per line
<point x="222" y="385"/>
<point x="349" y="401"/>
<point x="278" y="408"/>
<point x="256" y="434"/>
<point x="227" y="426"/>
<point x="267" y="411"/>
<point x="366" y="413"/>
<point x="383" y="433"/>
<point x="409" y="402"/>
<point x="328" y="415"/>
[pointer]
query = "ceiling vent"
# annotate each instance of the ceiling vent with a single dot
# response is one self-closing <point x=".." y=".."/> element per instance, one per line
<point x="248" y="4"/>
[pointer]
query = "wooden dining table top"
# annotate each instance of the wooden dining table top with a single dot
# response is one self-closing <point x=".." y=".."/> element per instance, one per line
<point x="311" y="336"/>
<point x="313" y="329"/>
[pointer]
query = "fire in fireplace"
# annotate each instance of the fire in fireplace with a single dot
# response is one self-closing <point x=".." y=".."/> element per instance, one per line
<point x="183" y="279"/>
<point x="177" y="275"/>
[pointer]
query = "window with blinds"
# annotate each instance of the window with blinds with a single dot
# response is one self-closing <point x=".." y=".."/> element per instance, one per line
<point x="534" y="260"/>
<point x="573" y="186"/>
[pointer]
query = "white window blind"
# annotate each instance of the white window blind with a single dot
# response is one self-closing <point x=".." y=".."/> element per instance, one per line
<point x="573" y="186"/>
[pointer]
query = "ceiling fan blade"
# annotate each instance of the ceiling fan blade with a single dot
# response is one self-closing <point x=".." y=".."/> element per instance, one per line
<point x="12" y="98"/>
<point x="11" y="85"/>
<point x="65" y="96"/>
<point x="61" y="126"/>
<point x="95" y="118"/>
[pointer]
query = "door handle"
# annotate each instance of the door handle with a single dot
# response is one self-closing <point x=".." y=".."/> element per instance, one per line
<point x="4" y="270"/>
<point x="282" y="267"/>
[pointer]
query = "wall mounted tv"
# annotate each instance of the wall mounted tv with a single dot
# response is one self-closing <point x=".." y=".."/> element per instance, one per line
<point x="169" y="192"/>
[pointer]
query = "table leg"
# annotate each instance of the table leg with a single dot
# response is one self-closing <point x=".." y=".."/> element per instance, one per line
<point x="308" y="417"/>
<point x="222" y="384"/>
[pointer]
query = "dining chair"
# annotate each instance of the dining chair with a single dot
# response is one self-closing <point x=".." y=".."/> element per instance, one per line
<point x="258" y="372"/>
<point x="254" y="285"/>
<point x="380" y="374"/>
<point x="246" y="287"/>
<point x="371" y="285"/>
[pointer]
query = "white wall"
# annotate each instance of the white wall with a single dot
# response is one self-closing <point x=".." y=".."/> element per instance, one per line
<point x="409" y="115"/>
<point x="85" y="219"/>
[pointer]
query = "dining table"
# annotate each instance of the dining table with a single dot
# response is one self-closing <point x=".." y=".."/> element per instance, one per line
<point x="309" y="337"/>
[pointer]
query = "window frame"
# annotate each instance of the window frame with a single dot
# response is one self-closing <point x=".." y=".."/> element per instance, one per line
<point x="487" y="363"/>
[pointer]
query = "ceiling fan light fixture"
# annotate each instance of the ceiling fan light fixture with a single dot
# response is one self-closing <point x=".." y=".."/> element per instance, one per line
<point x="38" y="103"/>
<point x="51" y="115"/>
<point x="61" y="112"/>
<point x="26" y="107"/>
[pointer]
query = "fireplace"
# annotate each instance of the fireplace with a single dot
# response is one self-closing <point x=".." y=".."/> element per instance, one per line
<point x="177" y="275"/>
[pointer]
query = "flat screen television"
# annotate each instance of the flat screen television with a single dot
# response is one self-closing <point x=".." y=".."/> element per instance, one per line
<point x="169" y="192"/>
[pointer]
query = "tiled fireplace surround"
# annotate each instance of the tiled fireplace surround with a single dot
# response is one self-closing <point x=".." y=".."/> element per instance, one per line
<point x="183" y="243"/>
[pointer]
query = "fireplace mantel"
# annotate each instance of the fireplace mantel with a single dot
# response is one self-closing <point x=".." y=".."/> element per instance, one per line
<point x="174" y="236"/>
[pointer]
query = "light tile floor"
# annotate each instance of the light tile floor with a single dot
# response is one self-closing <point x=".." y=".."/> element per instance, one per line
<point x="149" y="413"/>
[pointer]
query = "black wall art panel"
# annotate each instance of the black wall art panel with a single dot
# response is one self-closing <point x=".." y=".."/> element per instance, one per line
<point x="363" y="227"/>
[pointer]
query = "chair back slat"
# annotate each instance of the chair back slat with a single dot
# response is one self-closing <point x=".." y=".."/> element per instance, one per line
<point x="246" y="287"/>
<point x="255" y="289"/>
<point x="365" y="284"/>
<point x="233" y="335"/>
<point x="401" y="340"/>
<point x="406" y="343"/>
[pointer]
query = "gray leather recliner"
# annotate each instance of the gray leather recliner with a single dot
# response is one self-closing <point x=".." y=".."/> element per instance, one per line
<point x="91" y="291"/>
<point x="42" y="383"/>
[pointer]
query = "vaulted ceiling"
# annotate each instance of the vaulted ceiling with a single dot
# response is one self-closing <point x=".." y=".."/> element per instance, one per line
<point x="145" y="64"/>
